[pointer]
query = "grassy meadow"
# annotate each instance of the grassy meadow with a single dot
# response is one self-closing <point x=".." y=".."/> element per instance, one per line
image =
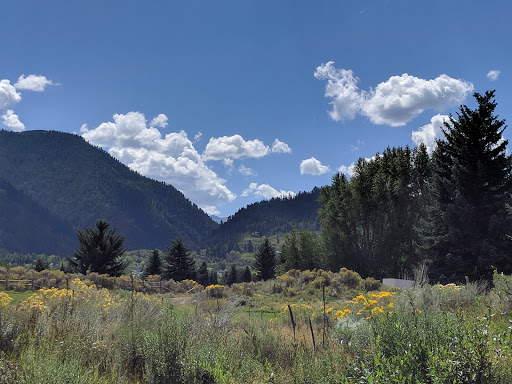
<point x="302" y="327"/>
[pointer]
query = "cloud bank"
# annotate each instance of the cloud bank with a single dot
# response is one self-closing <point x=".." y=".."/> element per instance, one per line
<point x="171" y="158"/>
<point x="394" y="102"/>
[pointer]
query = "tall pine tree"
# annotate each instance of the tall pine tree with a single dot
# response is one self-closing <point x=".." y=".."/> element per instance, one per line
<point x="154" y="264"/>
<point x="202" y="275"/>
<point x="265" y="263"/>
<point x="471" y="189"/>
<point x="100" y="250"/>
<point x="179" y="263"/>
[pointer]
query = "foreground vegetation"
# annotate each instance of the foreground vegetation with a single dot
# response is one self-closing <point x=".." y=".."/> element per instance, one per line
<point x="343" y="330"/>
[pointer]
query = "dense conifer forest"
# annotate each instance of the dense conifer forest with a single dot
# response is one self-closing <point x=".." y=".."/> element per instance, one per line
<point x="27" y="227"/>
<point x="78" y="183"/>
<point x="450" y="210"/>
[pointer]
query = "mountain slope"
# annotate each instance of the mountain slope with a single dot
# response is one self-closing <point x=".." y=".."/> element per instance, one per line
<point x="79" y="183"/>
<point x="26" y="227"/>
<point x="270" y="217"/>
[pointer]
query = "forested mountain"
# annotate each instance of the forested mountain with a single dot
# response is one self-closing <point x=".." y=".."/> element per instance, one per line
<point x="78" y="183"/>
<point x="27" y="227"/>
<point x="270" y="217"/>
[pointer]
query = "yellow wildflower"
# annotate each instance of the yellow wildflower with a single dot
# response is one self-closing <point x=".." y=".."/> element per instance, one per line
<point x="5" y="299"/>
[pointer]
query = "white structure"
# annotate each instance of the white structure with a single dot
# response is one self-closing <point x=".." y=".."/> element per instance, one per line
<point x="398" y="283"/>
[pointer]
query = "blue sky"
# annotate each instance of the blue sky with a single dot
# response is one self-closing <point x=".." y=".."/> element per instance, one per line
<point x="236" y="101"/>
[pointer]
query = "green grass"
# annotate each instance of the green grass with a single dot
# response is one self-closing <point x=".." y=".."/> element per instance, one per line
<point x="18" y="297"/>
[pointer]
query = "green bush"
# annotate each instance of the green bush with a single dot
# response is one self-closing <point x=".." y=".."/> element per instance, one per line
<point x="350" y="278"/>
<point x="371" y="284"/>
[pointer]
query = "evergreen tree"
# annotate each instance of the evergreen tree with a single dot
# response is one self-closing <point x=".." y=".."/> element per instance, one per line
<point x="232" y="276"/>
<point x="368" y="223"/>
<point x="302" y="250"/>
<point x="179" y="263"/>
<point x="40" y="265"/>
<point x="471" y="188"/>
<point x="213" y="278"/>
<point x="154" y="264"/>
<point x="339" y="227"/>
<point x="101" y="250"/>
<point x="265" y="263"/>
<point x="202" y="275"/>
<point x="247" y="276"/>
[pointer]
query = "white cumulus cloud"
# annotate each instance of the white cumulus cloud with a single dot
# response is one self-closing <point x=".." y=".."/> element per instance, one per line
<point x="234" y="147"/>
<point x="171" y="158"/>
<point x="313" y="166"/>
<point x="12" y="121"/>
<point x="429" y="133"/>
<point x="342" y="89"/>
<point x="493" y="74"/>
<point x="8" y="94"/>
<point x="393" y="102"/>
<point x="36" y="83"/>
<point x="160" y="121"/>
<point x="280" y="147"/>
<point x="265" y="191"/>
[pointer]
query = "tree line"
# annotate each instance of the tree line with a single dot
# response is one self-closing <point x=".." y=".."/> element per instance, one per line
<point x="101" y="250"/>
<point x="450" y="209"/>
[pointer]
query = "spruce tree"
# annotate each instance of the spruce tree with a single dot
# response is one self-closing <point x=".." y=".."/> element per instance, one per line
<point x="179" y="263"/>
<point x="265" y="263"/>
<point x="100" y="251"/>
<point x="232" y="276"/>
<point x="154" y="264"/>
<point x="202" y="275"/>
<point x="213" y="278"/>
<point x="247" y="276"/>
<point x="40" y="265"/>
<point x="471" y="189"/>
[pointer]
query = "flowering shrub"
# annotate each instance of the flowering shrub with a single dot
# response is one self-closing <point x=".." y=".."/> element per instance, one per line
<point x="5" y="299"/>
<point x="450" y="286"/>
<point x="214" y="290"/>
<point x="51" y="299"/>
<point x="368" y="305"/>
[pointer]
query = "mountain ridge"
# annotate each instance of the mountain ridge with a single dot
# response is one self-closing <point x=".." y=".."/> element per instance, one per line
<point x="80" y="183"/>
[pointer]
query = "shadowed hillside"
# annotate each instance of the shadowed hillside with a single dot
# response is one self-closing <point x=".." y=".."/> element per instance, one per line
<point x="78" y="183"/>
<point x="27" y="227"/>
<point x="271" y="217"/>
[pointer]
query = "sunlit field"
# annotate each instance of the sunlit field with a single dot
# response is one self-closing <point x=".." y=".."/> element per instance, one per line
<point x="302" y="327"/>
